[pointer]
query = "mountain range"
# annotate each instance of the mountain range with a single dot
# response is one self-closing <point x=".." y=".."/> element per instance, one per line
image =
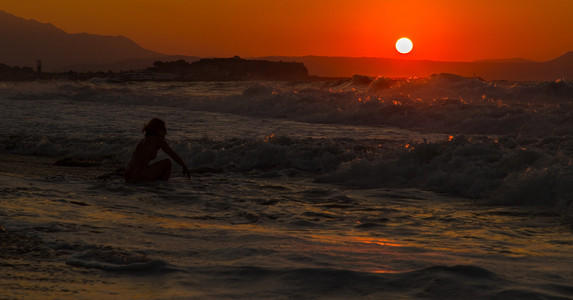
<point x="510" y="69"/>
<point x="24" y="42"/>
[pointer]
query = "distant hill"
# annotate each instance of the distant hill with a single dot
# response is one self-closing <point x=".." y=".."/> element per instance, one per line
<point x="26" y="41"/>
<point x="510" y="69"/>
<point x="565" y="59"/>
<point x="506" y="60"/>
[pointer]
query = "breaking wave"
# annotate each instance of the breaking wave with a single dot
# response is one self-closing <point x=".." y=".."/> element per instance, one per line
<point x="510" y="142"/>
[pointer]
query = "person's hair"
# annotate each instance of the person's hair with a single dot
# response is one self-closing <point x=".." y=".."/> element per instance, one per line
<point x="154" y="126"/>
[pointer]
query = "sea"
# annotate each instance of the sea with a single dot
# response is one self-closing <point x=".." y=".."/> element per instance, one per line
<point x="442" y="187"/>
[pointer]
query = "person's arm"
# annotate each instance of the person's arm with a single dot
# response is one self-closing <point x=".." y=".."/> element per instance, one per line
<point x="165" y="147"/>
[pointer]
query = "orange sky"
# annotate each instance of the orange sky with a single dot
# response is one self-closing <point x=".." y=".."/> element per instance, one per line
<point x="450" y="30"/>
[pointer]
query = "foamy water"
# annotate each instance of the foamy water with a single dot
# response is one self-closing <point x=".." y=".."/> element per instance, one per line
<point x="434" y="188"/>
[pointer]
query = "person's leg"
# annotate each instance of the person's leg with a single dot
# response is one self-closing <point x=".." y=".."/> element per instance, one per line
<point x="160" y="170"/>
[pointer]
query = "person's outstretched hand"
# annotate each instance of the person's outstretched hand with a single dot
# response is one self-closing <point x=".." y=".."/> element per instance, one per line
<point x="186" y="172"/>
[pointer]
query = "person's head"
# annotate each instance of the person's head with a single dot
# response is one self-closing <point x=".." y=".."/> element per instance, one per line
<point x="155" y="127"/>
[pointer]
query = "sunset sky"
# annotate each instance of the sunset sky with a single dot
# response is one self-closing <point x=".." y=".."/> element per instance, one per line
<point x="448" y="30"/>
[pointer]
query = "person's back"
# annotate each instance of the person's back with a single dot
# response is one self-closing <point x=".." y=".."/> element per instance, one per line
<point x="145" y="152"/>
<point x="146" y="149"/>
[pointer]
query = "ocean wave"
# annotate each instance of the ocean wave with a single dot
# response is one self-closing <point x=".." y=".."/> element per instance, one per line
<point x="436" y="282"/>
<point x="114" y="260"/>
<point x="439" y="103"/>
<point x="444" y="103"/>
<point x="510" y="141"/>
<point x="509" y="170"/>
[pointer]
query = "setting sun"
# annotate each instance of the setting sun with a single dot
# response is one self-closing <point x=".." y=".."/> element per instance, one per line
<point x="404" y="45"/>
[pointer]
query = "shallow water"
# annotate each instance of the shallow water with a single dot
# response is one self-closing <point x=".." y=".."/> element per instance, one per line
<point x="276" y="207"/>
<point x="214" y="236"/>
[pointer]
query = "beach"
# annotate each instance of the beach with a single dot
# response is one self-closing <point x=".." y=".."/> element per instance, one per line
<point x="322" y="190"/>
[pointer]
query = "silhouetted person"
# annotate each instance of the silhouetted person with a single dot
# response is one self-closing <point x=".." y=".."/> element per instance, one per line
<point x="138" y="168"/>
